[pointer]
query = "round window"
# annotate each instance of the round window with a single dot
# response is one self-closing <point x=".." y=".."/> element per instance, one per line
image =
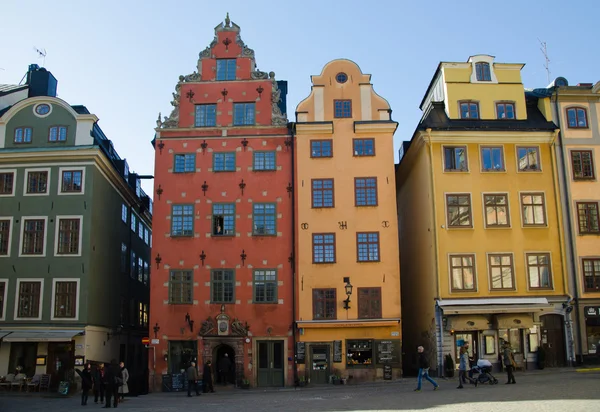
<point x="42" y="109"/>
<point x="341" y="77"/>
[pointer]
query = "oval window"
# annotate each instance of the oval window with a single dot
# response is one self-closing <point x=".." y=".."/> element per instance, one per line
<point x="42" y="109"/>
<point x="341" y="77"/>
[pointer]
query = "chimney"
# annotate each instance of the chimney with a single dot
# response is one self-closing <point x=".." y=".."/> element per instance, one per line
<point x="41" y="82"/>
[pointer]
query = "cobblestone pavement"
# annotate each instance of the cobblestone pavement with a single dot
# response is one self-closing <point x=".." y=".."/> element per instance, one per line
<point x="533" y="392"/>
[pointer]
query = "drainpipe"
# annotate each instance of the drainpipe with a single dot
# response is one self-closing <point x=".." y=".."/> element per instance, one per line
<point x="569" y="227"/>
<point x="438" y="310"/>
<point x="293" y="262"/>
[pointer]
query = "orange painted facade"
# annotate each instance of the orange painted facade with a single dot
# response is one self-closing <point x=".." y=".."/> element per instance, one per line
<point x="230" y="230"/>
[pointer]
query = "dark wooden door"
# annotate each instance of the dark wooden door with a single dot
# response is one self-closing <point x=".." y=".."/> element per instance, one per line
<point x="319" y="366"/>
<point x="553" y="340"/>
<point x="61" y="362"/>
<point x="270" y="363"/>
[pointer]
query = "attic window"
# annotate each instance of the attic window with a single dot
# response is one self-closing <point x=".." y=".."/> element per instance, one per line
<point x="482" y="71"/>
<point x="341" y="78"/>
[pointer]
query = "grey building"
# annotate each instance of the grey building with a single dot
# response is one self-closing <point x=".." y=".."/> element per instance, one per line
<point x="75" y="238"/>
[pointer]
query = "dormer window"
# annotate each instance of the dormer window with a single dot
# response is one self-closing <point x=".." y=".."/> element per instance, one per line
<point x="469" y="110"/>
<point x="577" y="118"/>
<point x="226" y="69"/>
<point x="482" y="71"/>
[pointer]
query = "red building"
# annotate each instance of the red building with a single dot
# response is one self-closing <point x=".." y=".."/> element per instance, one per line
<point x="223" y="221"/>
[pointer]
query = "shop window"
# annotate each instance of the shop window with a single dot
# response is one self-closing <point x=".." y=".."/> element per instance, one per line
<point x="359" y="353"/>
<point x="490" y="344"/>
<point x="513" y="337"/>
<point x="593" y="335"/>
<point x="533" y="340"/>
<point x="181" y="353"/>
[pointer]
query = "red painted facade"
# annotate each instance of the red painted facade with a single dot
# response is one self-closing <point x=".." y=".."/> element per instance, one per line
<point x="257" y="335"/>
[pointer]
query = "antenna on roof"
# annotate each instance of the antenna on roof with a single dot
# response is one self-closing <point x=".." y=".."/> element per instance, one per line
<point x="544" y="50"/>
<point x="41" y="53"/>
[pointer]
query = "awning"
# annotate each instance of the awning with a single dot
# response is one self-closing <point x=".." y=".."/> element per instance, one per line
<point x="361" y="323"/>
<point x="513" y="321"/>
<point x="479" y="306"/>
<point x="42" y="336"/>
<point x="467" y="322"/>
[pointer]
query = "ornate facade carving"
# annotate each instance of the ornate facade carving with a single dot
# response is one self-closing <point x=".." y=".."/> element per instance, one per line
<point x="277" y="118"/>
<point x="208" y="327"/>
<point x="239" y="328"/>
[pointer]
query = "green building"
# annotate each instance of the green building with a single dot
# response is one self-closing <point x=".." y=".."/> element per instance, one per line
<point x="75" y="238"/>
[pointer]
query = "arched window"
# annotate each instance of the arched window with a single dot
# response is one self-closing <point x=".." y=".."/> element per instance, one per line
<point x="482" y="71"/>
<point x="577" y="117"/>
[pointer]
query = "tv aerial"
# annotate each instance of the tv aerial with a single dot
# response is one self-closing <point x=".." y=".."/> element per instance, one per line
<point x="41" y="54"/>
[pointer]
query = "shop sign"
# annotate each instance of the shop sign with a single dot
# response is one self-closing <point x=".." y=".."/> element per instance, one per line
<point x="396" y="333"/>
<point x="592" y="311"/>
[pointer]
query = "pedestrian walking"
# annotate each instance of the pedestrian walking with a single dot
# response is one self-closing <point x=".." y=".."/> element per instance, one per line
<point x="86" y="382"/>
<point x="123" y="389"/>
<point x="207" y="378"/>
<point x="98" y="380"/>
<point x="509" y="363"/>
<point x="424" y="370"/>
<point x="463" y="366"/>
<point x="224" y="367"/>
<point x="192" y="377"/>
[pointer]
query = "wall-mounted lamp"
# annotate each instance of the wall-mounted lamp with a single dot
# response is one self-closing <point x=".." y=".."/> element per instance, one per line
<point x="189" y="321"/>
<point x="348" y="287"/>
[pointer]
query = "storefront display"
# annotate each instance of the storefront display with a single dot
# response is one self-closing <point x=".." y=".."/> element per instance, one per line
<point x="359" y="353"/>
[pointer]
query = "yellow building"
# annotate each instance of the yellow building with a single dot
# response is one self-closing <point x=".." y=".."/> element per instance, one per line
<point x="576" y="111"/>
<point x="480" y="215"/>
<point x="348" y="285"/>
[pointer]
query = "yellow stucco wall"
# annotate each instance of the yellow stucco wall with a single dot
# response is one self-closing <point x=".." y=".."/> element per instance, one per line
<point x="343" y="167"/>
<point x="482" y="241"/>
<point x="587" y="190"/>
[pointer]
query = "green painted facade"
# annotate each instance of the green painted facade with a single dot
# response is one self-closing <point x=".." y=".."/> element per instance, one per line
<point x="26" y="117"/>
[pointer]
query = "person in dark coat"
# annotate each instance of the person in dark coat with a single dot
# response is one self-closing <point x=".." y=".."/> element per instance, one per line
<point x="98" y="381"/>
<point x="207" y="379"/>
<point x="224" y="368"/>
<point x="86" y="382"/>
<point x="192" y="377"/>
<point x="112" y="380"/>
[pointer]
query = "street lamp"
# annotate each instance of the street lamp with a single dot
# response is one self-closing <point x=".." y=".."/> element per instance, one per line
<point x="348" y="288"/>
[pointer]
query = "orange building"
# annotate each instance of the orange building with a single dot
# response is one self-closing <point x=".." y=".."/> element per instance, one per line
<point x="348" y="314"/>
<point x="223" y="215"/>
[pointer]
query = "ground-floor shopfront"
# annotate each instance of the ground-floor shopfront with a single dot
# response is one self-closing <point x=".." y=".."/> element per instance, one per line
<point x="485" y="325"/>
<point x="358" y="351"/>
<point x="589" y="328"/>
<point x="58" y="352"/>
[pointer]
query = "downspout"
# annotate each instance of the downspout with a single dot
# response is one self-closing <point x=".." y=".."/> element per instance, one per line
<point x="293" y="255"/>
<point x="569" y="231"/>
<point x="557" y="204"/>
<point x="438" y="311"/>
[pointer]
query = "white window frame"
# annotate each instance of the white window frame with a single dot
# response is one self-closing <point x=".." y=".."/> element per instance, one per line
<point x="14" y="188"/>
<point x="10" y="234"/>
<point x="483" y="59"/>
<point x="60" y="182"/>
<point x="23" y="219"/>
<point x="37" y="169"/>
<point x="5" y="281"/>
<point x="77" y="297"/>
<point x="16" y="313"/>
<point x="57" y="230"/>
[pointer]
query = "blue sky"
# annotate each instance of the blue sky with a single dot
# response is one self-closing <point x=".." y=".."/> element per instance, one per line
<point x="122" y="59"/>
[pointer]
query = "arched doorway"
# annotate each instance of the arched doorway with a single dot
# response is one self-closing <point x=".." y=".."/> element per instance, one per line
<point x="222" y="375"/>
<point x="553" y="340"/>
